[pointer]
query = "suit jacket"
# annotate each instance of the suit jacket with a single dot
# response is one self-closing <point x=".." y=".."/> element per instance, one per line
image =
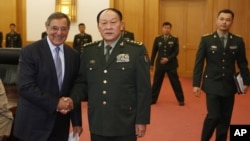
<point x="80" y="40"/>
<point x="165" y="48"/>
<point x="128" y="35"/>
<point x="119" y="91"/>
<point x="36" y="115"/>
<point x="217" y="76"/>
<point x="13" y="39"/>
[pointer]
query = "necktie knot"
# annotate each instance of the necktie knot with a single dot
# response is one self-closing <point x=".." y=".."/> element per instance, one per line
<point x="108" y="48"/>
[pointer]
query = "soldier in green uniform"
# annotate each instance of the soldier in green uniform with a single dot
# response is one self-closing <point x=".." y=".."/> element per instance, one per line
<point x="128" y="35"/>
<point x="81" y="38"/>
<point x="167" y="48"/>
<point x="13" y="38"/>
<point x="213" y="72"/>
<point x="116" y="81"/>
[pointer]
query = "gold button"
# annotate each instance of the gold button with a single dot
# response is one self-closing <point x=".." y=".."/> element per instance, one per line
<point x="104" y="92"/>
<point x="105" y="71"/>
<point x="104" y="102"/>
<point x="90" y="68"/>
<point x="104" y="81"/>
<point x="223" y="74"/>
<point x="123" y="68"/>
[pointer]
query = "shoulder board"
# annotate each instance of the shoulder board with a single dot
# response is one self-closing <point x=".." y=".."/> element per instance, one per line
<point x="134" y="42"/>
<point x="173" y="36"/>
<point x="208" y="34"/>
<point x="91" y="43"/>
<point x="238" y="35"/>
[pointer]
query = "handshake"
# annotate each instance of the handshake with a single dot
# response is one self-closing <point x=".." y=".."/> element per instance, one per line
<point x="65" y="105"/>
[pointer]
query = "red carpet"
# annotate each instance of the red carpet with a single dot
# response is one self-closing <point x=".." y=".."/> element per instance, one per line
<point x="171" y="122"/>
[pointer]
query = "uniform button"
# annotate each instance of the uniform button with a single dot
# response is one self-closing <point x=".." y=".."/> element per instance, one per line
<point x="104" y="92"/>
<point x="224" y="53"/>
<point x="165" y="50"/>
<point x="105" y="71"/>
<point x="104" y="102"/>
<point x="223" y="74"/>
<point x="165" y="46"/>
<point x="165" y="54"/>
<point x="104" y="81"/>
<point x="223" y="68"/>
<point x="90" y="68"/>
<point x="130" y="108"/>
<point x="206" y="76"/>
<point x="123" y="68"/>
<point x="223" y="60"/>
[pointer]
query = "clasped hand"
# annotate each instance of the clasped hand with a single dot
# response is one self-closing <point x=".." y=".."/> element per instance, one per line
<point x="65" y="105"/>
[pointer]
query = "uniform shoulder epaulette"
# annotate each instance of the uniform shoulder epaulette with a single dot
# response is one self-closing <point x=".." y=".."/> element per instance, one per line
<point x="207" y="34"/>
<point x="134" y="42"/>
<point x="91" y="43"/>
<point x="238" y="35"/>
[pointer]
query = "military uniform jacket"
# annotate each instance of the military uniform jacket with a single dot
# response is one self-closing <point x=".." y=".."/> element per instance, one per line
<point x="13" y="39"/>
<point x="165" y="48"/>
<point x="80" y="40"/>
<point x="217" y="76"/>
<point x="119" y="91"/>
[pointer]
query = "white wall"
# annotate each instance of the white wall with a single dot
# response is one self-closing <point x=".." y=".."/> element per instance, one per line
<point x="87" y="10"/>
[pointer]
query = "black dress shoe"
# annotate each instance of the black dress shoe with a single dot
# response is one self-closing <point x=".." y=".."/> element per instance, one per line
<point x="181" y="103"/>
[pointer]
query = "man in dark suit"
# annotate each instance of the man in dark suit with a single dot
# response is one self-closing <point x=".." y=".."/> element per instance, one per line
<point x="167" y="47"/>
<point x="1" y="39"/>
<point x="13" y="38"/>
<point x="81" y="38"/>
<point x="116" y="81"/>
<point x="216" y="78"/>
<point x="40" y="115"/>
<point x="128" y="35"/>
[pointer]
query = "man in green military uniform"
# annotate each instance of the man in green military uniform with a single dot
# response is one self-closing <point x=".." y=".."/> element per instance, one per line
<point x="81" y="38"/>
<point x="213" y="72"/>
<point x="116" y="81"/>
<point x="13" y="38"/>
<point x="167" y="48"/>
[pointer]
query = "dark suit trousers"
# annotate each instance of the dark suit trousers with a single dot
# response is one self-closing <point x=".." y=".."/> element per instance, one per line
<point x="174" y="81"/>
<point x="113" y="138"/>
<point x="219" y="115"/>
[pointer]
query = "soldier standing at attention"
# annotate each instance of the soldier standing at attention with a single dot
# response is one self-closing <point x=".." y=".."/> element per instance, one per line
<point x="214" y="69"/>
<point x="13" y="39"/>
<point x="81" y="38"/>
<point x="167" y="47"/>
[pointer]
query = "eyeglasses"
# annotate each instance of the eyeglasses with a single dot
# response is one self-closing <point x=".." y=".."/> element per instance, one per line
<point x="56" y="29"/>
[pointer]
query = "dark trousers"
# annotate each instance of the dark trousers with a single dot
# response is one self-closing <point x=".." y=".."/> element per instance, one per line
<point x="174" y="81"/>
<point x="219" y="115"/>
<point x="113" y="138"/>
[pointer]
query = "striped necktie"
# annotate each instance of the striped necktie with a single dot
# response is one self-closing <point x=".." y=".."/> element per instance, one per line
<point x="58" y="64"/>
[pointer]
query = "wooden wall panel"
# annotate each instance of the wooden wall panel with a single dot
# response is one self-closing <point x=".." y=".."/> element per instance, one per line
<point x="7" y="16"/>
